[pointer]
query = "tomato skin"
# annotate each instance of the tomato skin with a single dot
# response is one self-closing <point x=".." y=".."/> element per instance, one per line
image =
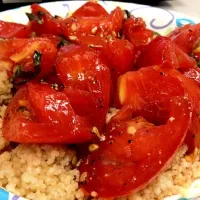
<point x="162" y="51"/>
<point x="186" y="37"/>
<point x="85" y="75"/>
<point x="120" y="55"/>
<point x="21" y="51"/>
<point x="134" y="30"/>
<point x="134" y="160"/>
<point x="49" y="25"/>
<point x="44" y="119"/>
<point x="11" y="30"/>
<point x="90" y="9"/>
<point x="75" y="27"/>
<point x="148" y="85"/>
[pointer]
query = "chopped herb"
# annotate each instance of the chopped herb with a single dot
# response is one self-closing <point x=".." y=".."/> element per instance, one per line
<point x="18" y="71"/>
<point x="37" y="56"/>
<point x="155" y="34"/>
<point x="20" y="77"/>
<point x="36" y="17"/>
<point x="57" y="17"/>
<point x="128" y="14"/>
<point x="62" y="43"/>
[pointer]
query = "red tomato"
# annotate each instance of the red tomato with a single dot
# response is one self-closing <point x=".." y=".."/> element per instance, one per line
<point x="141" y="89"/>
<point x="11" y="30"/>
<point x="192" y="90"/>
<point x="90" y="9"/>
<point x="75" y="27"/>
<point x="186" y="37"/>
<point x="43" y="22"/>
<point x="120" y="56"/>
<point x="85" y="75"/>
<point x="134" y="30"/>
<point x="161" y="51"/>
<point x="134" y="153"/>
<point x="39" y="114"/>
<point x="22" y="52"/>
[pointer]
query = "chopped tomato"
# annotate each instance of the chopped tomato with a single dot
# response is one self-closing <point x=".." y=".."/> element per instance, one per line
<point x="144" y="88"/>
<point x="75" y="27"/>
<point x="186" y="37"/>
<point x="134" y="153"/>
<point x="29" y="54"/>
<point x="14" y="30"/>
<point x="90" y="9"/>
<point x="134" y="30"/>
<point x="120" y="56"/>
<point x="85" y="75"/>
<point x="162" y="51"/>
<point x="42" y="22"/>
<point x="150" y="85"/>
<point x="39" y="114"/>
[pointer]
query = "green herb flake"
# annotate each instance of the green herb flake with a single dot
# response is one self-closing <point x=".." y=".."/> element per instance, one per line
<point x="62" y="43"/>
<point x="17" y="71"/>
<point x="37" y="56"/>
<point x="36" y="17"/>
<point x="127" y="14"/>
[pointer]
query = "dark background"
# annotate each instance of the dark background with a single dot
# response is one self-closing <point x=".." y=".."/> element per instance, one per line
<point x="5" y="6"/>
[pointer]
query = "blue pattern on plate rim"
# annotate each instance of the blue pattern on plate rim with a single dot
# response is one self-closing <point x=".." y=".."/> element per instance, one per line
<point x="158" y="19"/>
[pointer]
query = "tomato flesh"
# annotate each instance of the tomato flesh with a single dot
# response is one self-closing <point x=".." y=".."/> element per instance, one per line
<point x="11" y="30"/>
<point x="133" y="160"/>
<point x="162" y="51"/>
<point x="85" y="75"/>
<point x="186" y="37"/>
<point x="39" y="114"/>
<point x="90" y="9"/>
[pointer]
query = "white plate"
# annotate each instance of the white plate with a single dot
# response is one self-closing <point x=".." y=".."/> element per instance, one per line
<point x="161" y="20"/>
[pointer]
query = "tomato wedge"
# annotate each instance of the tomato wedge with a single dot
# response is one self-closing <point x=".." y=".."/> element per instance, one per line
<point x="42" y="22"/>
<point x="162" y="50"/>
<point x="29" y="54"/>
<point x="107" y="26"/>
<point x="39" y="114"/>
<point x="11" y="30"/>
<point x="85" y="76"/>
<point x="186" y="37"/>
<point x="133" y="155"/>
<point x="134" y="29"/>
<point x="142" y="88"/>
<point x="90" y="9"/>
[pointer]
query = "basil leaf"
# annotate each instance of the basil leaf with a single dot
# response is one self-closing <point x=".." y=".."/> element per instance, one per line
<point x="36" y="17"/>
<point x="18" y="72"/>
<point x="37" y="56"/>
<point x="62" y="43"/>
<point x="128" y="14"/>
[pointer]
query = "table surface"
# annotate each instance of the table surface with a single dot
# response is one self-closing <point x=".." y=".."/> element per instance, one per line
<point x="189" y="7"/>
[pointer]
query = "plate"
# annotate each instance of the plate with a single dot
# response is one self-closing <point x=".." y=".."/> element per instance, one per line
<point x="161" y="20"/>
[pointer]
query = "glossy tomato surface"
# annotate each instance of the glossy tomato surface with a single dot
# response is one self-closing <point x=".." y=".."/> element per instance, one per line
<point x="11" y="30"/>
<point x="134" y="153"/>
<point x="39" y="114"/>
<point x="85" y="76"/>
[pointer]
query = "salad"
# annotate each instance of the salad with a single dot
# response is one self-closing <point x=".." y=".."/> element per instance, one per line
<point x="125" y="98"/>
